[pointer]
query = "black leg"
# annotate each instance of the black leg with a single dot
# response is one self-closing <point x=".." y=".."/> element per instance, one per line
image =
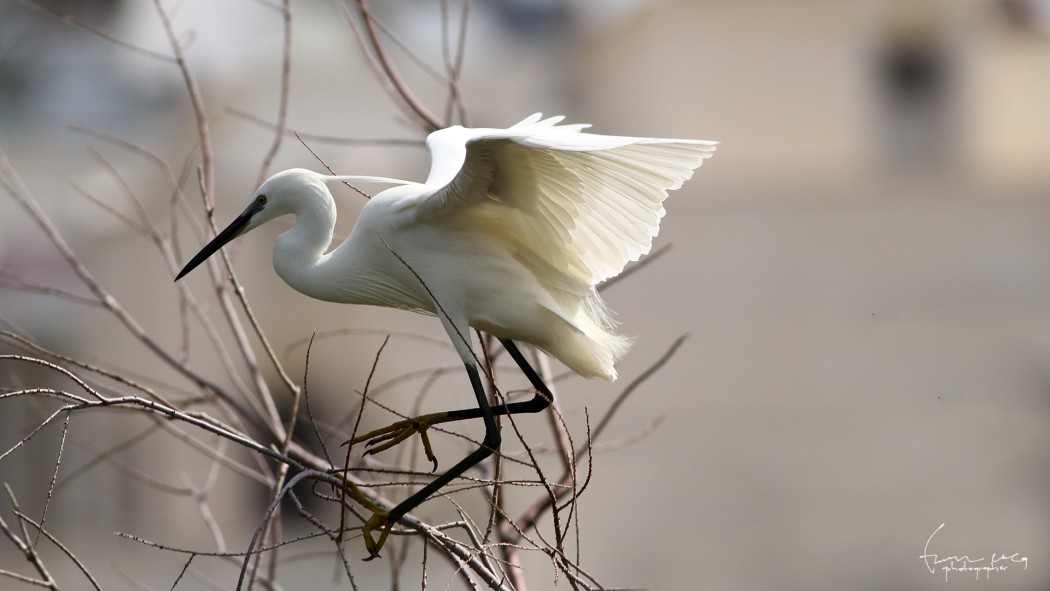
<point x="539" y="402"/>
<point x="492" y="440"/>
<point x="490" y="444"/>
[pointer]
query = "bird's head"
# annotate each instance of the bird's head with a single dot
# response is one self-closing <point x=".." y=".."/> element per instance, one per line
<point x="274" y="198"/>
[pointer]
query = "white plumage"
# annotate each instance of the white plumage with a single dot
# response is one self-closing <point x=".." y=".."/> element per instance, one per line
<point x="510" y="234"/>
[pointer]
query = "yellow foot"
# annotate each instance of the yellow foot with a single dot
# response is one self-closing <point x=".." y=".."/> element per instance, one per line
<point x="380" y="520"/>
<point x="387" y="437"/>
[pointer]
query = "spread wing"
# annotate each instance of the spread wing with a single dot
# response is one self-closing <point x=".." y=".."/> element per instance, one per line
<point x="575" y="207"/>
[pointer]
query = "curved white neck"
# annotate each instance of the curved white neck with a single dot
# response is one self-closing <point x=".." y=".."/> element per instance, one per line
<point x="298" y="253"/>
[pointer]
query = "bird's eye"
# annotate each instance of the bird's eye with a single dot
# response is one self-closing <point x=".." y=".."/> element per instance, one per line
<point x="260" y="200"/>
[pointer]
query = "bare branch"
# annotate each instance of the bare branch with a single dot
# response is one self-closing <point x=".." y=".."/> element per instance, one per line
<point x="69" y="553"/>
<point x="78" y="24"/>
<point x="99" y="455"/>
<point x="266" y="448"/>
<point x="28" y="580"/>
<point x="635" y="383"/>
<point x="197" y="103"/>
<point x="638" y="266"/>
<point x="22" y="195"/>
<point x="325" y="139"/>
<point x="528" y="519"/>
<point x="454" y="61"/>
<point x="29" y="550"/>
<point x="54" y="478"/>
<point x="282" y="102"/>
<point x="11" y="281"/>
<point x="425" y="117"/>
<point x="208" y="190"/>
<point x="353" y="434"/>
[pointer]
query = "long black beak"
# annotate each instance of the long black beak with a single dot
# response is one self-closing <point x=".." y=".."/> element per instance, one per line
<point x="235" y="229"/>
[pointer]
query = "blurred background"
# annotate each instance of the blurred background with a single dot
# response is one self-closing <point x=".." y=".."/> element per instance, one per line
<point x="863" y="267"/>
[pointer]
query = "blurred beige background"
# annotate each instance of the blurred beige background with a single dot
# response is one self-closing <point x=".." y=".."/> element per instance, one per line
<point x="863" y="267"/>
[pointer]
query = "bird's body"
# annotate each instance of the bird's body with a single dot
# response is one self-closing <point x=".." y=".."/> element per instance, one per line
<point x="510" y="234"/>
<point x="475" y="271"/>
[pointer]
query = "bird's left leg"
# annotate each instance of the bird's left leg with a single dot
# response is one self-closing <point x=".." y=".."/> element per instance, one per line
<point x="386" y="437"/>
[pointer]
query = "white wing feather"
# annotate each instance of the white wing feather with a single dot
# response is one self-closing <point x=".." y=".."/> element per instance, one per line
<point x="577" y="206"/>
<point x="573" y="208"/>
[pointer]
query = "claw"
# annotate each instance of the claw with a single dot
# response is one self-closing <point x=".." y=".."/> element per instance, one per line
<point x="382" y="440"/>
<point x="387" y="437"/>
<point x="379" y="519"/>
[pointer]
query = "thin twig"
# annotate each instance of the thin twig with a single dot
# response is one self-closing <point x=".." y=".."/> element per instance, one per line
<point x="170" y="252"/>
<point x="635" y="383"/>
<point x="11" y="281"/>
<point x="207" y="177"/>
<point x="197" y="103"/>
<point x="326" y="139"/>
<point x="13" y="184"/>
<point x="454" y="61"/>
<point x="267" y="519"/>
<point x="78" y="24"/>
<point x="54" y="478"/>
<point x="28" y="580"/>
<point x="309" y="411"/>
<point x="29" y="550"/>
<point x="102" y="455"/>
<point x="282" y="101"/>
<point x="185" y="566"/>
<point x="201" y="496"/>
<point x="332" y="535"/>
<point x="638" y="266"/>
<point x="62" y="547"/>
<point x="425" y="117"/>
<point x="353" y="435"/>
<point x="528" y="518"/>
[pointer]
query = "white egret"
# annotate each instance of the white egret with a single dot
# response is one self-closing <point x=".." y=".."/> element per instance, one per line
<point x="510" y="234"/>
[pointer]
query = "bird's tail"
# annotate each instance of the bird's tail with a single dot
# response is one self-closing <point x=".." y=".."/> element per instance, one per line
<point x="589" y="344"/>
